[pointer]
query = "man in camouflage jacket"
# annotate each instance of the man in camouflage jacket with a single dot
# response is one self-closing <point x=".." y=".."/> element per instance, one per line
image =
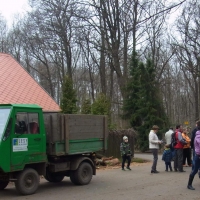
<point x="126" y="153"/>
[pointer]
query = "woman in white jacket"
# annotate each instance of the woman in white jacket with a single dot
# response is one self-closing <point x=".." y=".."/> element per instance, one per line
<point x="154" y="146"/>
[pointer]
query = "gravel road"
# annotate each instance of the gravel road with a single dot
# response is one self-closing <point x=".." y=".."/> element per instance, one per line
<point x="116" y="184"/>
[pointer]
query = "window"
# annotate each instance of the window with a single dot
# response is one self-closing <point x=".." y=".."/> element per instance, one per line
<point x="26" y="123"/>
<point x="4" y="116"/>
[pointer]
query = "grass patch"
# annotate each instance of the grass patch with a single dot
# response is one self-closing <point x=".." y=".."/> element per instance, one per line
<point x="139" y="160"/>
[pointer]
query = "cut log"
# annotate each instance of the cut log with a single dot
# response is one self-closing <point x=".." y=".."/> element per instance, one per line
<point x="112" y="162"/>
<point x="107" y="158"/>
<point x="100" y="162"/>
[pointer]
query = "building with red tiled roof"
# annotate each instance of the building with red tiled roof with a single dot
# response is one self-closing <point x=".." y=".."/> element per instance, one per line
<point x="18" y="86"/>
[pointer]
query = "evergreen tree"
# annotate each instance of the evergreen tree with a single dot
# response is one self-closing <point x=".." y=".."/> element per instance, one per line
<point x="102" y="106"/>
<point x="86" y="107"/>
<point x="68" y="101"/>
<point x="132" y="89"/>
<point x="143" y="106"/>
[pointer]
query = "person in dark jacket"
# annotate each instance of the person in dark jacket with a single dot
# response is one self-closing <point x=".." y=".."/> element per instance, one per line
<point x="126" y="153"/>
<point x="167" y="157"/>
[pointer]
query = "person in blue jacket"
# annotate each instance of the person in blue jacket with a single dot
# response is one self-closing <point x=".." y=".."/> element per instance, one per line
<point x="167" y="157"/>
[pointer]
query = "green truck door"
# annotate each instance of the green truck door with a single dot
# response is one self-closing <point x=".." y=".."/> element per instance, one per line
<point x="27" y="141"/>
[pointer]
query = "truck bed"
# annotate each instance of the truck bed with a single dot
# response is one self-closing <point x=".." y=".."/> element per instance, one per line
<point x="69" y="134"/>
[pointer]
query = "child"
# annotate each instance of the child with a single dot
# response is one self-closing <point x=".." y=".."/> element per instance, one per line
<point x="126" y="153"/>
<point x="167" y="157"/>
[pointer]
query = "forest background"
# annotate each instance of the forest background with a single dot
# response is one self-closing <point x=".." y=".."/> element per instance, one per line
<point x="138" y="61"/>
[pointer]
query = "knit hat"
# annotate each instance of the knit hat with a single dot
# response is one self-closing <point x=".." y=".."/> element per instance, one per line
<point x="125" y="138"/>
<point x="167" y="146"/>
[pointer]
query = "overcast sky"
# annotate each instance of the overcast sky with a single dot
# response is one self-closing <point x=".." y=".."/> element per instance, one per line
<point x="8" y="8"/>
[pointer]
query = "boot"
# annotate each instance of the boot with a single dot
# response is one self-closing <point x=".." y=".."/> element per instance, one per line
<point x="190" y="183"/>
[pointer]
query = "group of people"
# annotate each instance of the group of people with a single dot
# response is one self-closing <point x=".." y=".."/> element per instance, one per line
<point x="179" y="150"/>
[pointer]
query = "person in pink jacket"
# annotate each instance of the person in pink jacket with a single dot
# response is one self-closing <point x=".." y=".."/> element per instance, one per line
<point x="196" y="160"/>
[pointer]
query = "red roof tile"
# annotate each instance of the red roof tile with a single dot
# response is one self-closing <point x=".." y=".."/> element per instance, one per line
<point x="18" y="86"/>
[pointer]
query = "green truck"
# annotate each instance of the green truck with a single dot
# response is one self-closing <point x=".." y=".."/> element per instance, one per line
<point x="34" y="143"/>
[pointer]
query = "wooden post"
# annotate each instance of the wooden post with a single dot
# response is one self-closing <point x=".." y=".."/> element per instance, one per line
<point x="51" y="134"/>
<point x="66" y="123"/>
<point x="62" y="127"/>
<point x="105" y="134"/>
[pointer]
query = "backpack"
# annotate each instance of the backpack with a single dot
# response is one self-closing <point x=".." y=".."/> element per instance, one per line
<point x="173" y="140"/>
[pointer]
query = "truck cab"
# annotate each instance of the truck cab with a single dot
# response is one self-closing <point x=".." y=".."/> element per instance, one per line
<point x="22" y="141"/>
<point x="22" y="136"/>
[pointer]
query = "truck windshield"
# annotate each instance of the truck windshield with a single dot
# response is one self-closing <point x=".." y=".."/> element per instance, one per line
<point x="4" y="114"/>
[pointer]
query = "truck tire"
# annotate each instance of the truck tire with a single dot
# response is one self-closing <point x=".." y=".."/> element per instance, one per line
<point x="53" y="177"/>
<point x="73" y="178"/>
<point x="3" y="184"/>
<point x="83" y="174"/>
<point x="27" y="182"/>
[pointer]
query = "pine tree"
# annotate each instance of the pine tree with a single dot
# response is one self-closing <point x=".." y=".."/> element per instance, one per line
<point x="86" y="107"/>
<point x="143" y="105"/>
<point x="68" y="101"/>
<point x="102" y="106"/>
<point x="133" y="87"/>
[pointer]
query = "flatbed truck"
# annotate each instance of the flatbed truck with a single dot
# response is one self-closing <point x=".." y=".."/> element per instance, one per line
<point x="34" y="143"/>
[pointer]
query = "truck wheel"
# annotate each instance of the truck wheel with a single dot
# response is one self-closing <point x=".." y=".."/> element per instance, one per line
<point x="83" y="174"/>
<point x="73" y="178"/>
<point x="3" y="184"/>
<point x="53" y="177"/>
<point x="27" y="182"/>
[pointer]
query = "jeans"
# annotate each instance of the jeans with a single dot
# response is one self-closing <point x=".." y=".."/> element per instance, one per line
<point x="196" y="161"/>
<point x="193" y="159"/>
<point x="155" y="158"/>
<point x="193" y="156"/>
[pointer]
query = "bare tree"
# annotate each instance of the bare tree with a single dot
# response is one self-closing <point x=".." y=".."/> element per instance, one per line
<point x="3" y="33"/>
<point x="187" y="49"/>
